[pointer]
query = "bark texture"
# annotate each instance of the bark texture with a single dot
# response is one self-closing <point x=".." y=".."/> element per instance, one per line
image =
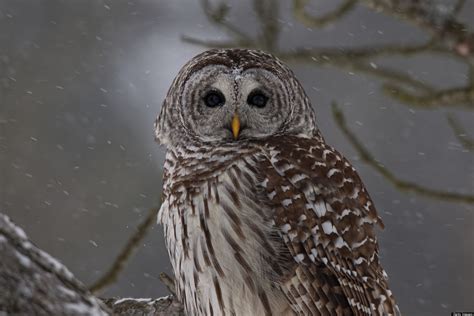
<point x="34" y="283"/>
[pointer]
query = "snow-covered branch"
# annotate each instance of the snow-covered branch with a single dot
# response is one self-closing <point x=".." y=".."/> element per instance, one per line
<point x="34" y="283"/>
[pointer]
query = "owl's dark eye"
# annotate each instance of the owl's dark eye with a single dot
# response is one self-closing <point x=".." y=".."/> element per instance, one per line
<point x="257" y="98"/>
<point x="214" y="98"/>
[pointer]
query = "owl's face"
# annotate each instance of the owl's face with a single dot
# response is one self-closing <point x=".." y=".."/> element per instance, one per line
<point x="222" y="103"/>
<point x="233" y="95"/>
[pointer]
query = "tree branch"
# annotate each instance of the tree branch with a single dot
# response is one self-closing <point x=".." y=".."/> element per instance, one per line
<point x="460" y="133"/>
<point x="120" y="262"/>
<point x="34" y="283"/>
<point x="463" y="96"/>
<point x="402" y="185"/>
<point x="448" y="37"/>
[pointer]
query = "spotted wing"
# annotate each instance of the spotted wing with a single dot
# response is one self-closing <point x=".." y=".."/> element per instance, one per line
<point x="327" y="220"/>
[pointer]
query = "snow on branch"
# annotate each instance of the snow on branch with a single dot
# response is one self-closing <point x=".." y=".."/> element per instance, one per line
<point x="34" y="283"/>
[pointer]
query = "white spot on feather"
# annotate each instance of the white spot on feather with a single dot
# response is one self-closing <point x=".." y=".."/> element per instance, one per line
<point x="271" y="195"/>
<point x="332" y="171"/>
<point x="320" y="209"/>
<point x="358" y="244"/>
<point x="344" y="213"/>
<point x="299" y="257"/>
<point x="328" y="228"/>
<point x="359" y="260"/>
<point x="325" y="152"/>
<point x="285" y="228"/>
<point x="298" y="177"/>
<point x="339" y="243"/>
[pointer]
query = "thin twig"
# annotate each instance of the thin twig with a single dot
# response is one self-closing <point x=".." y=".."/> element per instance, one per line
<point x="420" y="13"/>
<point x="120" y="262"/>
<point x="364" y="53"/>
<point x="168" y="282"/>
<point x="470" y="75"/>
<point x="458" y="7"/>
<point x="267" y="14"/>
<point x="463" y="96"/>
<point x="218" y="15"/>
<point x="402" y="185"/>
<point x="357" y="64"/>
<point x="423" y="14"/>
<point x="460" y="133"/>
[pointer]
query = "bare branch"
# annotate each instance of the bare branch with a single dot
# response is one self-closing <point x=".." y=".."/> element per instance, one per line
<point x="356" y="64"/>
<point x="365" y="53"/>
<point x="267" y="14"/>
<point x="120" y="262"/>
<point x="169" y="282"/>
<point x="402" y="185"/>
<point x="218" y="16"/>
<point x="458" y="8"/>
<point x="460" y="133"/>
<point x="463" y="96"/>
<point x="163" y="306"/>
<point x="449" y="37"/>
<point x="424" y="14"/>
<point x="34" y="283"/>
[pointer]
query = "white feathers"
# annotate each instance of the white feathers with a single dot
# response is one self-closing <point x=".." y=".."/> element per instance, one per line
<point x="320" y="209"/>
<point x="271" y="195"/>
<point x="359" y="260"/>
<point x="299" y="257"/>
<point x="285" y="228"/>
<point x="328" y="228"/>
<point x="326" y="152"/>
<point x="339" y="243"/>
<point x="298" y="177"/>
<point x="332" y="171"/>
<point x="358" y="244"/>
<point x="285" y="188"/>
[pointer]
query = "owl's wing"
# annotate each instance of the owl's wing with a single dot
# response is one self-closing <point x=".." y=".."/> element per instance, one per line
<point x="326" y="219"/>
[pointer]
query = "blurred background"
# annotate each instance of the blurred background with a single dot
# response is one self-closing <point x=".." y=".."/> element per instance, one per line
<point x="392" y="83"/>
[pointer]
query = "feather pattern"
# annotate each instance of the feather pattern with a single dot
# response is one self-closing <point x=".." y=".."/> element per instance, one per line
<point x="310" y="237"/>
<point x="327" y="219"/>
<point x="221" y="240"/>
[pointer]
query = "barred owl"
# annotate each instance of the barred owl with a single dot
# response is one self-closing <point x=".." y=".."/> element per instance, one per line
<point x="260" y="215"/>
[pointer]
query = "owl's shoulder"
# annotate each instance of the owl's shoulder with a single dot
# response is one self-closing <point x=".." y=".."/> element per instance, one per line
<point x="314" y="189"/>
<point x="311" y="164"/>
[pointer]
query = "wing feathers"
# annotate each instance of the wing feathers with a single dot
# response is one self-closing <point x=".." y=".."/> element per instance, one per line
<point x="326" y="219"/>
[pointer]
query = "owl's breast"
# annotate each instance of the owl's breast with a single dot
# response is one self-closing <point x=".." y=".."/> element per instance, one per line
<point x="223" y="246"/>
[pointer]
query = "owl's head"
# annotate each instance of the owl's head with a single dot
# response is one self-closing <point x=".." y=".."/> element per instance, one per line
<point x="233" y="95"/>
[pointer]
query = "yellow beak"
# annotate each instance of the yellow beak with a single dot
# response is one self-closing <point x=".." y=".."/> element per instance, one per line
<point x="235" y="126"/>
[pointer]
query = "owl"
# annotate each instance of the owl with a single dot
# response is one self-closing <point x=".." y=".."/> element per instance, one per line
<point x="260" y="215"/>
